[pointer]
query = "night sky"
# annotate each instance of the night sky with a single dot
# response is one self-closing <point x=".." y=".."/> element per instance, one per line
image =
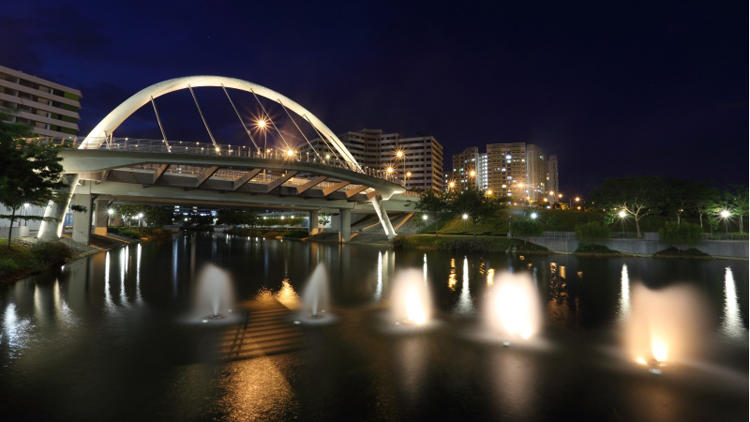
<point x="612" y="89"/>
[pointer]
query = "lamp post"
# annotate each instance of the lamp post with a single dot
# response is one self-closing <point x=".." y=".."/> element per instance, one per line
<point x="725" y="214"/>
<point x="622" y="216"/>
<point x="110" y="211"/>
<point x="465" y="217"/>
<point x="401" y="156"/>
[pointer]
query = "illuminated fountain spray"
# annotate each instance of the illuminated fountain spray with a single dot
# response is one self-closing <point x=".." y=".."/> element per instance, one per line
<point x="410" y="299"/>
<point x="215" y="294"/>
<point x="511" y="308"/>
<point x="316" y="297"/>
<point x="664" y="325"/>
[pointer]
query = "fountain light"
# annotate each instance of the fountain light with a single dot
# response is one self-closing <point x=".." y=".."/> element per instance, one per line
<point x="512" y="308"/>
<point x="410" y="299"/>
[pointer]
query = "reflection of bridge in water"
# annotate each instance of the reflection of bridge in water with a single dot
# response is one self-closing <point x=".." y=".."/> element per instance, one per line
<point x="102" y="168"/>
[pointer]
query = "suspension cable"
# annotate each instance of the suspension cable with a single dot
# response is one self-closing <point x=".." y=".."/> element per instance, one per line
<point x="240" y="117"/>
<point x="270" y="120"/>
<point x="325" y="140"/>
<point x="298" y="128"/>
<point x="161" y="127"/>
<point x="211" y="135"/>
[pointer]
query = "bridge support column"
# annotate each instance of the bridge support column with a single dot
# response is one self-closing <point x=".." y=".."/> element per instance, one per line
<point x="313" y="229"/>
<point x="82" y="219"/>
<point x="345" y="224"/>
<point x="390" y="233"/>
<point x="52" y="224"/>
<point x="101" y="218"/>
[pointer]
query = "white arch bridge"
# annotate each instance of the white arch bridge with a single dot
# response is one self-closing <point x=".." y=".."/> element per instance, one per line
<point x="102" y="168"/>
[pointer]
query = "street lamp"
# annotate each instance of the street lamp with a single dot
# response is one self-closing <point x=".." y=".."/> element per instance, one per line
<point x="402" y="156"/>
<point x="534" y="216"/>
<point x="622" y="214"/>
<point x="465" y="217"/>
<point x="725" y="214"/>
<point x="110" y="212"/>
<point x="424" y="217"/>
<point x="451" y="184"/>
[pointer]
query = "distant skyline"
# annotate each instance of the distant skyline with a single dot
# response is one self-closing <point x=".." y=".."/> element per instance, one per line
<point x="613" y="90"/>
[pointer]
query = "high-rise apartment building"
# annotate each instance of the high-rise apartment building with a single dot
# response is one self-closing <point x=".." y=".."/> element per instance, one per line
<point x="418" y="160"/>
<point x="466" y="168"/>
<point x="51" y="109"/>
<point x="517" y="170"/>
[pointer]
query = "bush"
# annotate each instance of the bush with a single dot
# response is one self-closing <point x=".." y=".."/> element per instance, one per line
<point x="124" y="232"/>
<point x="524" y="227"/>
<point x="8" y="266"/>
<point x="681" y="234"/>
<point x="51" y="253"/>
<point x="591" y="232"/>
<point x="594" y="248"/>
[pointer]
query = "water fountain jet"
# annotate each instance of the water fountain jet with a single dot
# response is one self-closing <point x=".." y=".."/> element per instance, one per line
<point x="511" y="308"/>
<point x="316" y="298"/>
<point x="215" y="294"/>
<point x="411" y="303"/>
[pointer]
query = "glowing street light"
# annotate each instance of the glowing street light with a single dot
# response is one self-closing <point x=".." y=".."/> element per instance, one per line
<point x="424" y="217"/>
<point x="389" y="170"/>
<point x="261" y="123"/>
<point x="451" y="184"/>
<point x="489" y="192"/>
<point x="725" y="214"/>
<point x="559" y="195"/>
<point x="399" y="154"/>
<point x="578" y="199"/>
<point x="534" y="215"/>
<point x="408" y="174"/>
<point x="472" y="173"/>
<point x="622" y="214"/>
<point x="290" y="153"/>
<point x="465" y="217"/>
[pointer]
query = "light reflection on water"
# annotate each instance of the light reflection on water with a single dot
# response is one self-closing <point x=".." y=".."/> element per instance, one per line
<point x="732" y="322"/>
<point x="624" y="309"/>
<point x="465" y="305"/>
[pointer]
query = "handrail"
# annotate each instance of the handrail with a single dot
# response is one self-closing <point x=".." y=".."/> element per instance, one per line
<point x="128" y="144"/>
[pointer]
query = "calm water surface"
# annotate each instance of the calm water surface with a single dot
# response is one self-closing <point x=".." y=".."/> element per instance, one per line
<point x="110" y="338"/>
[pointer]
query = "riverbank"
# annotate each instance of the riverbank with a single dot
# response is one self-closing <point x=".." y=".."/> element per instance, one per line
<point x="25" y="258"/>
<point x="467" y="243"/>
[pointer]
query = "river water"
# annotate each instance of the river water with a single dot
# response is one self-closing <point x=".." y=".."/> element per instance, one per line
<point x="110" y="337"/>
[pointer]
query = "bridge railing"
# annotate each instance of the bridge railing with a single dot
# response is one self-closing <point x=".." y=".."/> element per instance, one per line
<point x="222" y="150"/>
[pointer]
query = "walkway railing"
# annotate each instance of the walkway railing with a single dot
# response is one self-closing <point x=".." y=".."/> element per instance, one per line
<point x="223" y="150"/>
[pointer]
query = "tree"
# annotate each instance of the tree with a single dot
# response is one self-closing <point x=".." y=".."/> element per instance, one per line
<point x="638" y="196"/>
<point x="476" y="205"/>
<point x="434" y="203"/>
<point x="157" y="216"/>
<point x="706" y="202"/>
<point x="29" y="169"/>
<point x="738" y="203"/>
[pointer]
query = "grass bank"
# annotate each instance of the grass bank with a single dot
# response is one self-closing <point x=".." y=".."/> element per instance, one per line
<point x="24" y="259"/>
<point x="466" y="243"/>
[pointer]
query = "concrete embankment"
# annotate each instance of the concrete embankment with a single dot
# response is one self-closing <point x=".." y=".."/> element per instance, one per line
<point x="648" y="246"/>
